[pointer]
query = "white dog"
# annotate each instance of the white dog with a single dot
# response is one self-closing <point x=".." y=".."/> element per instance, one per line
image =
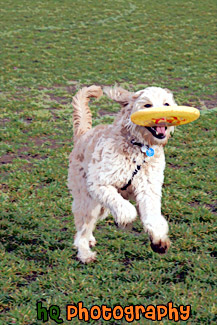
<point x="113" y="163"/>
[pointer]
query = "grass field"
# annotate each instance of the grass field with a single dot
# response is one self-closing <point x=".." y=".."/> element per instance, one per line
<point x="48" y="50"/>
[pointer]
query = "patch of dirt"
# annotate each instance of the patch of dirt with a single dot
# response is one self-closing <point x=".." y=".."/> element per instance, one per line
<point x="64" y="229"/>
<point x="190" y="102"/>
<point x="127" y="262"/>
<point x="23" y="149"/>
<point x="4" y="121"/>
<point x="69" y="88"/>
<point x="54" y="116"/>
<point x="32" y="276"/>
<point x="4" y="187"/>
<point x="210" y="101"/>
<point x="23" y="88"/>
<point x="28" y="156"/>
<point x="49" y="143"/>
<point x="194" y="204"/>
<point x="7" y="159"/>
<point x="171" y="165"/>
<point x="58" y="99"/>
<point x="47" y="88"/>
<point x="210" y="104"/>
<point x="212" y="207"/>
<point x="178" y="79"/>
<point x="37" y="141"/>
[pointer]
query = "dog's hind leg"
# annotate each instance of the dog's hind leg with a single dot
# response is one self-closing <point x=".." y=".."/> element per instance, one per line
<point x="86" y="216"/>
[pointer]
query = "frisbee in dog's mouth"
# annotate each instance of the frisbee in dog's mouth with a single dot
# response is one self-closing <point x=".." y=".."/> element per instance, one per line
<point x="158" y="132"/>
<point x="164" y="116"/>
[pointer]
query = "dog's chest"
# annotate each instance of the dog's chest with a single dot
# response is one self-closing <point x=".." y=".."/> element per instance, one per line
<point x="128" y="181"/>
<point x="134" y="166"/>
<point x="138" y="167"/>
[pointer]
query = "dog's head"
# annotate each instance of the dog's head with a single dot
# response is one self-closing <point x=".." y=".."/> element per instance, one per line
<point x="143" y="99"/>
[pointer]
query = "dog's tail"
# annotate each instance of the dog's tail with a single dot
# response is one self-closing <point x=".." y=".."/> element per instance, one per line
<point x="82" y="117"/>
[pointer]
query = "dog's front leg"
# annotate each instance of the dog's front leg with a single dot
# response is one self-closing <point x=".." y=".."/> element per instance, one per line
<point x="149" y="204"/>
<point x="122" y="210"/>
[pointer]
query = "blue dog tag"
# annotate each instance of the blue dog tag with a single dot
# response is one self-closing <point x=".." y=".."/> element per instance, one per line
<point x="150" y="152"/>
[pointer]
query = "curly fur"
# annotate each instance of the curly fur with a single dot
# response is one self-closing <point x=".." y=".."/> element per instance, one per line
<point x="104" y="159"/>
<point x="82" y="118"/>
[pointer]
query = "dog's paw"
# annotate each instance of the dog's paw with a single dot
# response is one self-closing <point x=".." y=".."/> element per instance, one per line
<point x="126" y="214"/>
<point x="87" y="258"/>
<point x="92" y="241"/>
<point x="161" y="246"/>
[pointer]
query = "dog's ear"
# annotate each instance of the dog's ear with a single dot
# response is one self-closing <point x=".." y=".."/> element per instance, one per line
<point x="168" y="91"/>
<point x="119" y="95"/>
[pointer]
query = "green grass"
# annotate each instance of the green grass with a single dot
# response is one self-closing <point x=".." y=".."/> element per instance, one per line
<point x="49" y="49"/>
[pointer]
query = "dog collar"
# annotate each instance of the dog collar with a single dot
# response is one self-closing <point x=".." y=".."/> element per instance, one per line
<point x="144" y="148"/>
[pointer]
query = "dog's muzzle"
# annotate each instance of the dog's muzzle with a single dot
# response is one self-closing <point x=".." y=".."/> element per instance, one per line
<point x="158" y="132"/>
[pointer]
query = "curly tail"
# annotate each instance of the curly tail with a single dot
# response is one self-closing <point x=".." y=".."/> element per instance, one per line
<point x="82" y="117"/>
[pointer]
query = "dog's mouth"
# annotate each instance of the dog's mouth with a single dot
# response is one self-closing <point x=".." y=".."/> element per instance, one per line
<point x="158" y="132"/>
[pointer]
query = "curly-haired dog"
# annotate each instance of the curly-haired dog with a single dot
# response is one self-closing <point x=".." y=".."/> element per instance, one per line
<point x="109" y="165"/>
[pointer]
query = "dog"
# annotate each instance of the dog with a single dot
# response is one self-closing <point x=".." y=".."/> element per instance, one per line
<point x="110" y="164"/>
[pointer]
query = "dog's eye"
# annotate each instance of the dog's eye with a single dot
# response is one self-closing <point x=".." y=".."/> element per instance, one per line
<point x="147" y="105"/>
<point x="166" y="104"/>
